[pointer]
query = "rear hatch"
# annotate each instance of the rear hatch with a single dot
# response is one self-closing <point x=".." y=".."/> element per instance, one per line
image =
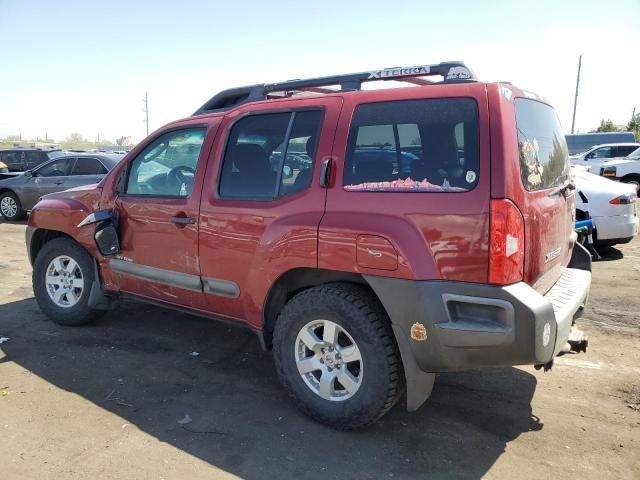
<point x="545" y="195"/>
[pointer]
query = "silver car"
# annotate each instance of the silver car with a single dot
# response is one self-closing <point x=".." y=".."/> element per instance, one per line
<point x="20" y="193"/>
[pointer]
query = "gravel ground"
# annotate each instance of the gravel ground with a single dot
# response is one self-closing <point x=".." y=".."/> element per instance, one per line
<point x="107" y="400"/>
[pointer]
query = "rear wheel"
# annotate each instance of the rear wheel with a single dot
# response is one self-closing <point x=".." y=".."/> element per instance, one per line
<point x="63" y="274"/>
<point x="336" y="356"/>
<point x="10" y="207"/>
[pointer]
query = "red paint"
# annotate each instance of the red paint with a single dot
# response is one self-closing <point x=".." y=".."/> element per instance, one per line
<point x="442" y="236"/>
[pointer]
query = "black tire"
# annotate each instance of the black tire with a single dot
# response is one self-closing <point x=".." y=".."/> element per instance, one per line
<point x="19" y="211"/>
<point x="633" y="180"/>
<point x="80" y="313"/>
<point x="360" y="313"/>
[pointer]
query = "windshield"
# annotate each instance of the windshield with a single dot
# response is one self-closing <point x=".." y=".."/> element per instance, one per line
<point x="543" y="148"/>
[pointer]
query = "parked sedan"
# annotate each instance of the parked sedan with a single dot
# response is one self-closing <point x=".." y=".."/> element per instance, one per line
<point x="20" y="193"/>
<point x="611" y="205"/>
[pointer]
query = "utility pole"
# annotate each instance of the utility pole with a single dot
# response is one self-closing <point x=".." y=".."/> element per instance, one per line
<point x="146" y="111"/>
<point x="575" y="101"/>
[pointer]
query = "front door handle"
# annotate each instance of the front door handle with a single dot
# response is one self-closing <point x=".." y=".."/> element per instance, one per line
<point x="58" y="183"/>
<point x="183" y="220"/>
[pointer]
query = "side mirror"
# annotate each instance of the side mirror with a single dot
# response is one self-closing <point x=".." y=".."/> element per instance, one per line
<point x="28" y="173"/>
<point x="105" y="233"/>
<point x="287" y="171"/>
<point x="106" y="237"/>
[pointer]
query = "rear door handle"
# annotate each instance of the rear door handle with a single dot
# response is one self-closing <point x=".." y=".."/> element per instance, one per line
<point x="183" y="220"/>
<point x="58" y="183"/>
<point x="325" y="173"/>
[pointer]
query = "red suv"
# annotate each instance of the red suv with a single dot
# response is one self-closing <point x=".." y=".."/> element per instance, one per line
<point x="371" y="237"/>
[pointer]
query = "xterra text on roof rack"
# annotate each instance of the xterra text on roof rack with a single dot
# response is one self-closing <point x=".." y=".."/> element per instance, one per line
<point x="370" y="237"/>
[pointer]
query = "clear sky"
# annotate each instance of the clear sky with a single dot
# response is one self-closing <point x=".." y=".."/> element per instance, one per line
<point x="83" y="66"/>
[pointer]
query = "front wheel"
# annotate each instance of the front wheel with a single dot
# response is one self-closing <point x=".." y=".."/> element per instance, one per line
<point x="336" y="355"/>
<point x="10" y="207"/>
<point x="633" y="180"/>
<point x="63" y="274"/>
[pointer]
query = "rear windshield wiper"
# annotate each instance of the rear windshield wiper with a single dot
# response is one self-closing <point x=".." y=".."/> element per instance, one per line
<point x="566" y="188"/>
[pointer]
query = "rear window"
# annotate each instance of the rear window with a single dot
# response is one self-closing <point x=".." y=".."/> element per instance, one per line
<point x="413" y="146"/>
<point x="542" y="145"/>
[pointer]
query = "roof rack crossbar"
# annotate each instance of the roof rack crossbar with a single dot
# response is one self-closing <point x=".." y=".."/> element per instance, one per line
<point x="452" y="72"/>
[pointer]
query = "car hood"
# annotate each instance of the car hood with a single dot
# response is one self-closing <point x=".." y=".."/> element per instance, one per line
<point x="7" y="179"/>
<point x="87" y="195"/>
<point x="617" y="161"/>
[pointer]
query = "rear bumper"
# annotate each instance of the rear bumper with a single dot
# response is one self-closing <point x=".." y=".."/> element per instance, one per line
<point x="471" y="325"/>
<point x="617" y="228"/>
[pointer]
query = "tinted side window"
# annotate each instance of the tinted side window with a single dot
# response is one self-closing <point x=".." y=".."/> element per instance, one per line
<point x="414" y="146"/>
<point x="88" y="166"/>
<point x="167" y="166"/>
<point x="57" y="168"/>
<point x="624" y="151"/>
<point x="34" y="159"/>
<point x="270" y="155"/>
<point x="543" y="148"/>
<point x="14" y="160"/>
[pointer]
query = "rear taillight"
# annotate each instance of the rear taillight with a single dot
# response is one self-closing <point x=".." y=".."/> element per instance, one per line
<point x="506" y="251"/>
<point x="626" y="199"/>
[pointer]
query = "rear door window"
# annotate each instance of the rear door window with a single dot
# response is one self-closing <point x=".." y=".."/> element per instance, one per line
<point x="270" y="155"/>
<point x="624" y="150"/>
<point x="88" y="166"/>
<point x="542" y="146"/>
<point x="14" y="160"/>
<point x="428" y="145"/>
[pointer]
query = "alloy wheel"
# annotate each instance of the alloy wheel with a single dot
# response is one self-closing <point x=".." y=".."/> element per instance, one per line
<point x="8" y="207"/>
<point x="64" y="281"/>
<point x="329" y="360"/>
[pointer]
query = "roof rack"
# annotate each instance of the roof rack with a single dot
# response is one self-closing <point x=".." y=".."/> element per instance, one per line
<point x="452" y="72"/>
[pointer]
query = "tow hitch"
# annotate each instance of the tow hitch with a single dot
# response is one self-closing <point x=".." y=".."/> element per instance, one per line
<point x="578" y="341"/>
<point x="547" y="366"/>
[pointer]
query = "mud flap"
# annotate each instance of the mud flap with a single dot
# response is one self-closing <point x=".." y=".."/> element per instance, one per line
<point x="97" y="298"/>
<point x="419" y="383"/>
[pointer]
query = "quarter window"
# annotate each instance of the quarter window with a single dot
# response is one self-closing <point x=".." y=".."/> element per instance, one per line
<point x="413" y="146"/>
<point x="270" y="155"/>
<point x="544" y="157"/>
<point x="167" y="166"/>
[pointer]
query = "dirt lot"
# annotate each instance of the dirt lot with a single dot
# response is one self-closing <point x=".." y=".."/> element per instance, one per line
<point x="105" y="401"/>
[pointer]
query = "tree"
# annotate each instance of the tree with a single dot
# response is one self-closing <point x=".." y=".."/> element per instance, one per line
<point x="634" y="124"/>
<point x="606" y="125"/>
<point x="76" y="141"/>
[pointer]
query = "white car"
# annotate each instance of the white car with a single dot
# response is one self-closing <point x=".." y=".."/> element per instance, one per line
<point x="595" y="156"/>
<point x="625" y="169"/>
<point x="611" y="205"/>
